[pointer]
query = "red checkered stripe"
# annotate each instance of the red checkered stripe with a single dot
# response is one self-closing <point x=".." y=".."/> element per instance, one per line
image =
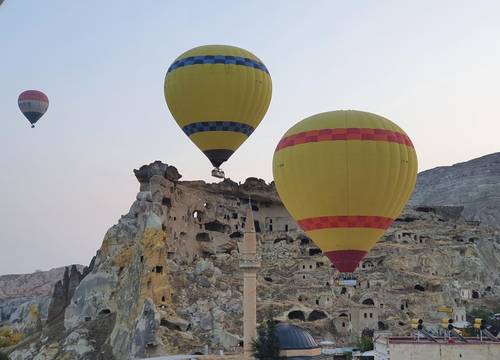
<point x="344" y="134"/>
<point x="328" y="222"/>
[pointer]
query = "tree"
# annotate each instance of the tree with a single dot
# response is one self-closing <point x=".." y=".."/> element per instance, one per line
<point x="469" y="331"/>
<point x="365" y="343"/>
<point x="491" y="322"/>
<point x="484" y="314"/>
<point x="267" y="344"/>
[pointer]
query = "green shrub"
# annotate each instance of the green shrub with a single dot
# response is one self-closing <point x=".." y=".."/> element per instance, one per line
<point x="267" y="344"/>
<point x="365" y="343"/>
<point x="485" y="314"/>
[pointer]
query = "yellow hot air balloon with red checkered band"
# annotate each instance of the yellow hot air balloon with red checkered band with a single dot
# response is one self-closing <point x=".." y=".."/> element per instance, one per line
<point x="345" y="176"/>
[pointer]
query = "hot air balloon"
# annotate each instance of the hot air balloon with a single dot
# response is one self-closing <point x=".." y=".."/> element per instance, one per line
<point x="33" y="104"/>
<point x="218" y="95"/>
<point x="345" y="176"/>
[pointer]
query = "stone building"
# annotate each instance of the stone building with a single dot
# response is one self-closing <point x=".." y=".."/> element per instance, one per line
<point x="367" y="265"/>
<point x="408" y="237"/>
<point x="279" y="224"/>
<point x="465" y="294"/>
<point x="342" y="323"/>
<point x="353" y="319"/>
<point x="325" y="299"/>
<point x="459" y="317"/>
<point x="363" y="317"/>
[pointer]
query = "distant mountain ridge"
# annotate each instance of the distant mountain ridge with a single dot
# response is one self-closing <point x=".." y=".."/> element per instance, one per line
<point x="39" y="283"/>
<point x="474" y="184"/>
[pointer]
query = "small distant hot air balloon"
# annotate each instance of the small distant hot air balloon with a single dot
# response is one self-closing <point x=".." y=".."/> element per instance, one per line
<point x="218" y="95"/>
<point x="344" y="176"/>
<point x="33" y="104"/>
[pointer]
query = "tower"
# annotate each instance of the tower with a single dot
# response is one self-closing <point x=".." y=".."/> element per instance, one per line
<point x="249" y="264"/>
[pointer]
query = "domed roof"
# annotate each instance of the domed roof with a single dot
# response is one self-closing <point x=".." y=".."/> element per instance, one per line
<point x="294" y="337"/>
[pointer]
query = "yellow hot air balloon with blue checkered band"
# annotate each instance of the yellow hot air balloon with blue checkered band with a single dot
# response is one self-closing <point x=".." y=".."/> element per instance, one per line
<point x="218" y="95"/>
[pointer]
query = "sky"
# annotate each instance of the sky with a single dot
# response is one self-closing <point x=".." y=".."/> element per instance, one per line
<point x="433" y="67"/>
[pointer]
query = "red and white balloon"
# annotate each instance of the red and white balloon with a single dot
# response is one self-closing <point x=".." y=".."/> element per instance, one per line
<point x="33" y="104"/>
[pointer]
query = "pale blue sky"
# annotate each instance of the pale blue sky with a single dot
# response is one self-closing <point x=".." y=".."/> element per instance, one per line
<point x="431" y="66"/>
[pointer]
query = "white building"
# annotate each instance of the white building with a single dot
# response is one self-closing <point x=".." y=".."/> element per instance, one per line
<point x="406" y="347"/>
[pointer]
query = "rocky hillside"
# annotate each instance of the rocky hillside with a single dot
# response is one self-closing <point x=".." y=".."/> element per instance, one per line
<point x="39" y="283"/>
<point x="474" y="184"/>
<point x="20" y="291"/>
<point x="166" y="278"/>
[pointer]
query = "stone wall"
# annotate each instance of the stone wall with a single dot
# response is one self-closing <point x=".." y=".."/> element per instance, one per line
<point x="431" y="351"/>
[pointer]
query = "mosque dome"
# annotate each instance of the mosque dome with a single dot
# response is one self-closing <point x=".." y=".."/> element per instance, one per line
<point x="296" y="343"/>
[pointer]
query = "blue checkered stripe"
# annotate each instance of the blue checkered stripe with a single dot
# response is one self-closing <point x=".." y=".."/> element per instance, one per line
<point x="217" y="59"/>
<point x="218" y="126"/>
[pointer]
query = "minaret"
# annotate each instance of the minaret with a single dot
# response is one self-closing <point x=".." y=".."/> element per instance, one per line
<point x="249" y="264"/>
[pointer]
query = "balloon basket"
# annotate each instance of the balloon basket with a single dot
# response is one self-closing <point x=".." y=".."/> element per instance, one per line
<point x="218" y="173"/>
<point x="347" y="280"/>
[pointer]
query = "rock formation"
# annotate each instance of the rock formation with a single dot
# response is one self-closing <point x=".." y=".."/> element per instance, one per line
<point x="166" y="278"/>
<point x="63" y="293"/>
<point x="474" y="184"/>
<point x="25" y="298"/>
<point x="39" y="283"/>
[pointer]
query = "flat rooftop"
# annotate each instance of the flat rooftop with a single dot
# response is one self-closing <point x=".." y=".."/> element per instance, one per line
<point x="441" y="340"/>
<point x="196" y="357"/>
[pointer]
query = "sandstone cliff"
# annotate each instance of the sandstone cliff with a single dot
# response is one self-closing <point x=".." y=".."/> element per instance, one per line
<point x="474" y="184"/>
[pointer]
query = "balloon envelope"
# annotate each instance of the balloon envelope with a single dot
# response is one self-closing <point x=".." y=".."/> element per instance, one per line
<point x="218" y="95"/>
<point x="344" y="176"/>
<point x="33" y="104"/>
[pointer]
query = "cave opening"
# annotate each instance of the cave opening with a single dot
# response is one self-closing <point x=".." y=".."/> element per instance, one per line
<point x="304" y="241"/>
<point x="166" y="202"/>
<point x="314" y="251"/>
<point x="203" y="237"/>
<point x="317" y="315"/>
<point x="236" y="234"/>
<point x="216" y="226"/>
<point x="296" y="315"/>
<point x="368" y="302"/>
<point x="257" y="226"/>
